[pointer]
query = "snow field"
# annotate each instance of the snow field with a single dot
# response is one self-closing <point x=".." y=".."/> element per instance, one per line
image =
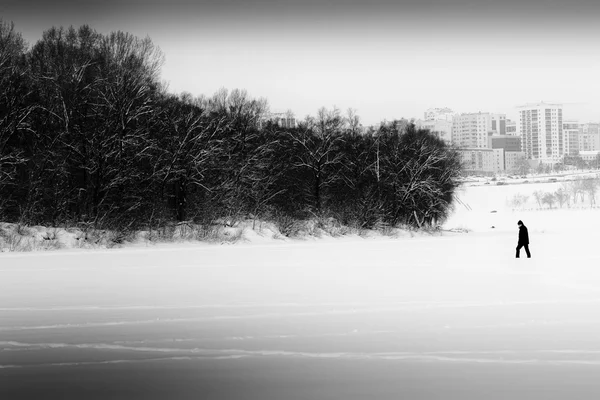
<point x="425" y="317"/>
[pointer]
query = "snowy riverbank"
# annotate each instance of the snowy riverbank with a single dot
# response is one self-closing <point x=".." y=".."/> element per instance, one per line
<point x="482" y="205"/>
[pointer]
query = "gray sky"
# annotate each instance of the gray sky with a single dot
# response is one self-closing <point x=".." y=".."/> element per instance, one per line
<point x="387" y="59"/>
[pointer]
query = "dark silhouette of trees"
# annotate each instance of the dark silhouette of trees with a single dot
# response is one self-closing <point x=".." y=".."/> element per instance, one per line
<point x="15" y="110"/>
<point x="89" y="149"/>
<point x="316" y="155"/>
<point x="88" y="134"/>
<point x="418" y="175"/>
<point x="187" y="148"/>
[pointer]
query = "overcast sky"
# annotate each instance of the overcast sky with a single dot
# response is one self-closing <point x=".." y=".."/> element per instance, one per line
<point x="387" y="59"/>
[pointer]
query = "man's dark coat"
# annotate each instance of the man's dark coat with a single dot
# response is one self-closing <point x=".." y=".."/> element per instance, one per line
<point x="523" y="235"/>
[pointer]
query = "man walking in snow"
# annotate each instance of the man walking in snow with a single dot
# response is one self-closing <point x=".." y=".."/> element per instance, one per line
<point x="523" y="239"/>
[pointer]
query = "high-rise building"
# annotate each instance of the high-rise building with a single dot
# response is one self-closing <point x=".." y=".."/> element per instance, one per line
<point x="589" y="137"/>
<point x="498" y="122"/>
<point x="511" y="128"/>
<point x="540" y="126"/>
<point x="472" y="130"/>
<point x="571" y="137"/>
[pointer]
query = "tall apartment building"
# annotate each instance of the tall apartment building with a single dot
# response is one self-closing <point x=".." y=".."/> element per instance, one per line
<point x="540" y="126"/>
<point x="589" y="137"/>
<point x="511" y="128"/>
<point x="472" y="130"/>
<point x="498" y="122"/>
<point x="570" y="137"/>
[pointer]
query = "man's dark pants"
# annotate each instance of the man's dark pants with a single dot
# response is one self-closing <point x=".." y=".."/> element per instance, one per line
<point x="526" y="246"/>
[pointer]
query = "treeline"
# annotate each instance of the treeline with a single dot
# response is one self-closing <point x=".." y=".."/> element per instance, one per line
<point x="89" y="134"/>
<point x="567" y="193"/>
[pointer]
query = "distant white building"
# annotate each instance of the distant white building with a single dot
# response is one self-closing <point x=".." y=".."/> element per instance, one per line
<point x="589" y="137"/>
<point x="438" y="121"/>
<point x="439" y="114"/>
<point x="511" y="128"/>
<point x="479" y="160"/>
<point x="499" y="160"/>
<point x="570" y="138"/>
<point x="472" y="130"/>
<point x="282" y="119"/>
<point x="490" y="161"/>
<point x="441" y="128"/>
<point x="512" y="160"/>
<point x="498" y="124"/>
<point x="589" y="155"/>
<point x="540" y="126"/>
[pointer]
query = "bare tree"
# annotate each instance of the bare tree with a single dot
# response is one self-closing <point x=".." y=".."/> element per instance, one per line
<point x="316" y="141"/>
<point x="262" y="174"/>
<point x="590" y="186"/>
<point x="576" y="189"/>
<point x="419" y="174"/>
<point x="128" y="86"/>
<point x="518" y="200"/>
<point x="522" y="166"/>
<point x="538" y="195"/>
<point x="14" y="111"/>
<point x="357" y="196"/>
<point x="561" y="196"/>
<point x="238" y="142"/>
<point x="549" y="198"/>
<point x="189" y="146"/>
<point x="352" y="122"/>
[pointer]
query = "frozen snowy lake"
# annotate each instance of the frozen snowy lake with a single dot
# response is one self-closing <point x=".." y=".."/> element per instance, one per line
<point x="442" y="317"/>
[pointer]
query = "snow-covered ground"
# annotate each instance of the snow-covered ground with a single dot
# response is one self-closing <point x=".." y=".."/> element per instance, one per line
<point x="454" y="316"/>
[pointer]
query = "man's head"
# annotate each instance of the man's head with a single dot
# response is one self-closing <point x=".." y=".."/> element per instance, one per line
<point x="520" y="223"/>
